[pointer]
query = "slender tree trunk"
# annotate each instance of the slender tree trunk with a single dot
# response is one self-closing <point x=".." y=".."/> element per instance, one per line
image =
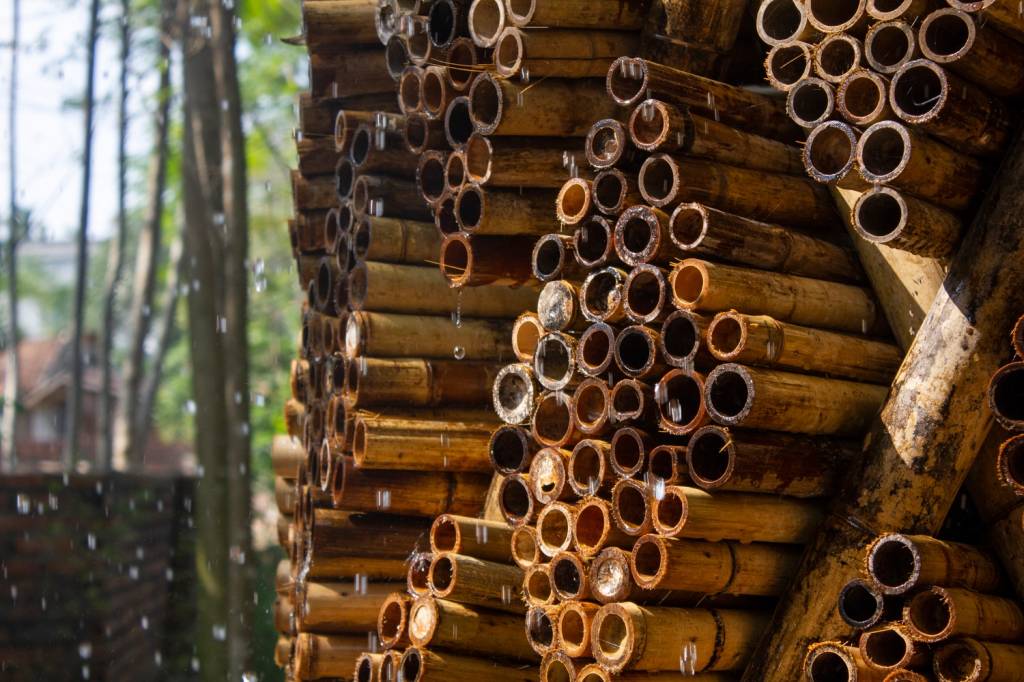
<point x="105" y="456"/>
<point x="72" y="447"/>
<point x="236" y="340"/>
<point x="164" y="332"/>
<point x="129" y="442"/>
<point x="8" y="428"/>
<point x="204" y="254"/>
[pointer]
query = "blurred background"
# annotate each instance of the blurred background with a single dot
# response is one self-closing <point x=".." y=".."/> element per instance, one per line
<point x="147" y="319"/>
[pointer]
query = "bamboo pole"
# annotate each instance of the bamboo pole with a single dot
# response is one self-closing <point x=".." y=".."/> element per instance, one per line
<point x="601" y="295"/>
<point x="885" y="216"/>
<point x="626" y="635"/>
<point x="836" y="661"/>
<point x="417" y="382"/>
<point x="552" y="420"/>
<point x="286" y="454"/>
<point x="548" y="108"/>
<point x="975" y="51"/>
<point x="368" y="668"/>
<point x="427" y="293"/>
<point x="628" y="454"/>
<point x="381" y="195"/>
<point x="516" y="500"/>
<point x="594" y="244"/>
<point x="474" y="260"/>
<point x="468" y="580"/>
<point x="388" y="335"/>
<point x="422" y="133"/>
<point x="560" y="53"/>
<point x="788" y="63"/>
<point x="421" y="665"/>
<point x="810" y="102"/>
<point x="754" y="462"/>
<point x="394" y="240"/>
<point x="588" y="471"/>
<point x="396" y="444"/>
<point x="525" y="550"/>
<point x="830" y="155"/>
<point x="632" y="504"/>
<point x="548" y="480"/>
<point x="554" y="528"/>
<point x="889" y="648"/>
<point x="1004" y="396"/>
<point x="593" y="14"/>
<point x="614" y="191"/>
<point x="488" y="211"/>
<point x="667" y="180"/>
<point x="590" y="403"/>
<point x="631" y="80"/>
<point x="540" y="628"/>
<point x="325" y="22"/>
<point x="681" y="402"/>
<point x="958" y="112"/>
<point x="569" y="576"/>
<point x="538" y="594"/>
<point x="632" y="402"/>
<point x="782" y="21"/>
<point x="574" y="202"/>
<point x="940" y="613"/>
<point x="553" y="259"/>
<point x="837" y="56"/>
<point x="443" y="624"/>
<point x="693" y="513"/>
<point x="393" y="620"/>
<point x="596" y="349"/>
<point x="889" y="45"/>
<point x="967" y="660"/>
<point x="510" y="449"/>
<point x="334" y="533"/>
<point x="681" y="341"/>
<point x="898" y="563"/>
<point x="1006" y="19"/>
<point x="340" y="608"/>
<point x="862" y="605"/>
<point x="424" y="493"/>
<point x="515" y="393"/>
<point x="319" y="656"/>
<point x="593" y="672"/>
<point x="659" y="563"/>
<point x="458" y="123"/>
<point x="636" y="352"/>
<point x="703" y="286"/>
<point x="515" y="162"/>
<point x="762" y="340"/>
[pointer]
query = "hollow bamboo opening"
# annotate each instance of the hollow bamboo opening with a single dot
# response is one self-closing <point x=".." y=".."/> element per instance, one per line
<point x="412" y="665"/>
<point x="442" y="23"/>
<point x="830" y="152"/>
<point x="365" y="669"/>
<point x="461" y="60"/>
<point x="470" y="207"/>
<point x="670" y="511"/>
<point x="947" y="35"/>
<point x="627" y="80"/>
<point x="591" y="526"/>
<point x="727" y="335"/>
<point x="627" y="400"/>
<point x="525" y="551"/>
<point x="362" y="237"/>
<point x="810" y="102"/>
<point x="552" y="420"/>
<point x="659" y="179"/>
<point x="884" y="151"/>
<point x="788" y="64"/>
<point x="509" y="449"/>
<point x="888" y="46"/>
<point x="662" y="463"/>
<point x="431" y="175"/>
<point x="880" y="214"/>
<point x="344" y="178"/>
<point x="635" y="351"/>
<point x="553" y="361"/>
<point x="601" y="294"/>
<point x="418" y="577"/>
<point x="396" y="56"/>
<point x="681" y="399"/>
<point x="606" y="143"/>
<point x="649" y="124"/>
<point x="557" y="669"/>
<point x="860" y="605"/>
<point x="513" y="394"/>
<point x="649" y="561"/>
<point x="609" y="190"/>
<point x="627" y="451"/>
<point x="435" y="91"/>
<point x="458" y="125"/>
<point x="1007" y="393"/>
<point x="444" y="217"/>
<point x="830" y="665"/>
<point x="614" y="636"/>
<point x="477" y="163"/>
<point x="515" y="499"/>
<point x="637" y="234"/>
<point x="918" y="91"/>
<point x="1011" y="463"/>
<point x="573" y="628"/>
<point x="567" y="576"/>
<point x="593" y="241"/>
<point x="539" y="629"/>
<point x="590" y="405"/>
<point x="930" y="614"/>
<point x="455" y="172"/>
<point x="526" y="333"/>
<point x="835" y="14"/>
<point x="960" y="661"/>
<point x="680" y="338"/>
<point x="586" y="468"/>
<point x="486" y="102"/>
<point x="894" y="564"/>
<point x="596" y="349"/>
<point x="456" y="258"/>
<point x="521" y="11"/>
<point x="554" y="529"/>
<point x="730" y="393"/>
<point x="418" y="41"/>
<point x="779" y="21"/>
<point x="538" y="585"/>
<point x="885" y="648"/>
<point x="837" y="56"/>
<point x="573" y="202"/>
<point x="709" y="456"/>
<point x="445" y="535"/>
<point x="509" y="51"/>
<point x="486" y="20"/>
<point x="410" y="92"/>
<point x="632" y="506"/>
<point x="392" y="620"/>
<point x="862" y="96"/>
<point x="549" y="257"/>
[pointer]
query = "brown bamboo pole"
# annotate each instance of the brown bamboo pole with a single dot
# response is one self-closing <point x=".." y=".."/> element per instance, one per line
<point x="526" y="333"/>
<point x="317" y="155"/>
<point x="286" y="454"/>
<point x="862" y="98"/>
<point x="588" y="470"/>
<point x="340" y="608"/>
<point x="525" y="550"/>
<point x="417" y="382"/>
<point x="547" y="108"/>
<point x="436" y="93"/>
<point x="553" y="258"/>
<point x="889" y="648"/>
<point x="659" y="563"/>
<point x="388" y="335"/>
<point x="422" y="665"/>
<point x="974" y="50"/>
<point x="558" y="307"/>
<point x="511" y="449"/>
<point x="955" y="111"/>
<point x="940" y="613"/>
<point x="967" y="660"/>
<point x="681" y="341"/>
<point x="1007" y="537"/>
<point x="422" y="133"/>
<point x="284" y="494"/>
<point x="762" y="340"/>
<point x="608" y="144"/>
<point x="387" y="444"/>
<point x="371" y="287"/>
<point x="1004" y="396"/>
<point x="319" y="656"/>
<point x="590" y="403"/>
<point x="626" y="635"/>
<point x="593" y="672"/>
<point x="681" y="402"/>
<point x="572" y="628"/>
<point x="837" y="56"/>
<point x="655" y="125"/>
<point x="610" y="577"/>
<point x="593" y="14"/>
<point x="693" y="513"/>
<point x="368" y="668"/>
<point x="515" y="162"/>
<point x="473" y="260"/>
<point x="631" y="80"/>
<point x="334" y="533"/>
<point x="782" y="21"/>
<point x="569" y="576"/>
<point x="468" y="580"/>
<point x="410" y="90"/>
<point x="1006" y="19"/>
<point x="316" y="192"/>
<point x="703" y="286"/>
<point x="788" y="63"/>
<point x="424" y="493"/>
<point x="574" y="202"/>
<point x="538" y="594"/>
<point x="316" y="117"/>
<point x="831" y="17"/>
<point x="889" y="45"/>
<point x="552" y="420"/>
<point x="601" y="296"/>
<point x="394" y="240"/>
<point x="594" y="244"/>
<point x="515" y="393"/>
<point x="442" y="624"/>
<point x="883" y="215"/>
<point x="381" y="195"/>
<point x="431" y="182"/>
<point x="667" y="180"/>
<point x="540" y="628"/>
<point x="554" y="528"/>
<point x="897" y="563"/>
<point x="348" y="74"/>
<point x="560" y="53"/>
<point x="633" y="403"/>
<point x="760" y="398"/>
<point x="488" y="211"/>
<point x="458" y="123"/>
<point x="810" y="102"/>
<point x="628" y="454"/>
<point x="339" y="22"/>
<point x="632" y="507"/>
<point x="284" y="616"/>
<point x="376" y="150"/>
<point x="596" y="349"/>
<point x="636" y="352"/>
<point x="392" y="620"/>
<point x="830" y="155"/>
<point x="641" y="236"/>
<point x="554" y="362"/>
<point x="862" y="605"/>
<point x="773" y="463"/>
<point x="615" y="191"/>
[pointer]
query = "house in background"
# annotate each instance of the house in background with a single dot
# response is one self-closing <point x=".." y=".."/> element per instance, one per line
<point x="45" y="381"/>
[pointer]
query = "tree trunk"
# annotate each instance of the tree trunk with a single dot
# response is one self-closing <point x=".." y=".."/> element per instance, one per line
<point x="8" y="428"/>
<point x="923" y="442"/>
<point x="236" y="340"/>
<point x="129" y="440"/>
<point x="204" y="256"/>
<point x="72" y="448"/>
<point x="105" y="456"/>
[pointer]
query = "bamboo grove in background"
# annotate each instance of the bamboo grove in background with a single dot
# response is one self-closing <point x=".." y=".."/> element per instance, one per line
<point x="594" y="326"/>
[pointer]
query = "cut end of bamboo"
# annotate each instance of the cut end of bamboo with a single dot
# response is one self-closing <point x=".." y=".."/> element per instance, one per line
<point x="883" y="152"/>
<point x="592" y="524"/>
<point x="616" y="635"/>
<point x="907" y="93"/>
<point x="680" y="339"/>
<point x="486" y="101"/>
<point x="607" y="143"/>
<point x="781" y="21"/>
<point x="550" y="257"/>
<point x="430" y="176"/>
<point x="810" y="102"/>
<point x="659" y="180"/>
<point x="596" y="349"/>
<point x="509" y="449"/>
<point x="788" y="63"/>
<point x="1004" y="396"/>
<point x="554" y="528"/>
<point x="862" y="98"/>
<point x="860" y="604"/>
<point x="612" y="190"/>
<point x="593" y="241"/>
<point x="590" y="406"/>
<point x="729" y="394"/>
<point x="680" y="398"/>
<point x="710" y="457"/>
<point x="574" y="201"/>
<point x="886" y="648"/>
<point x="486" y="21"/>
<point x="831" y="152"/>
<point x="458" y="123"/>
<point x="636" y="351"/>
<point x="631" y="507"/>
<point x="514" y="394"/>
<point x="835" y="16"/>
<point x="627" y="81"/>
<point x="515" y="499"/>
<point x="830" y="662"/>
<point x="880" y="215"/>
<point x="837" y="56"/>
<point x="554" y="361"/>
<point x="894" y="563"/>
<point x="456" y="259"/>
<point x="525" y="549"/>
<point x="393" y="619"/>
<point x="601" y="295"/>
<point x="889" y="45"/>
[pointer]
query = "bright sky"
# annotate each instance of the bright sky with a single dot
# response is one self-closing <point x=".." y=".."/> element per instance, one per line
<point x="51" y="69"/>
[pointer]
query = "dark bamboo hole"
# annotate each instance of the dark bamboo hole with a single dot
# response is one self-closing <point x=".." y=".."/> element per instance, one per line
<point x="708" y="456"/>
<point x="880" y="214"/>
<point x="781" y="19"/>
<point x="885" y="647"/>
<point x="729" y="393"/>
<point x="457" y="122"/>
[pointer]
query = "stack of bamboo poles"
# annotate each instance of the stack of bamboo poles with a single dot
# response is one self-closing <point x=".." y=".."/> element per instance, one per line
<point x="925" y="606"/>
<point x="386" y="428"/>
<point x="701" y="356"/>
<point x="904" y="105"/>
